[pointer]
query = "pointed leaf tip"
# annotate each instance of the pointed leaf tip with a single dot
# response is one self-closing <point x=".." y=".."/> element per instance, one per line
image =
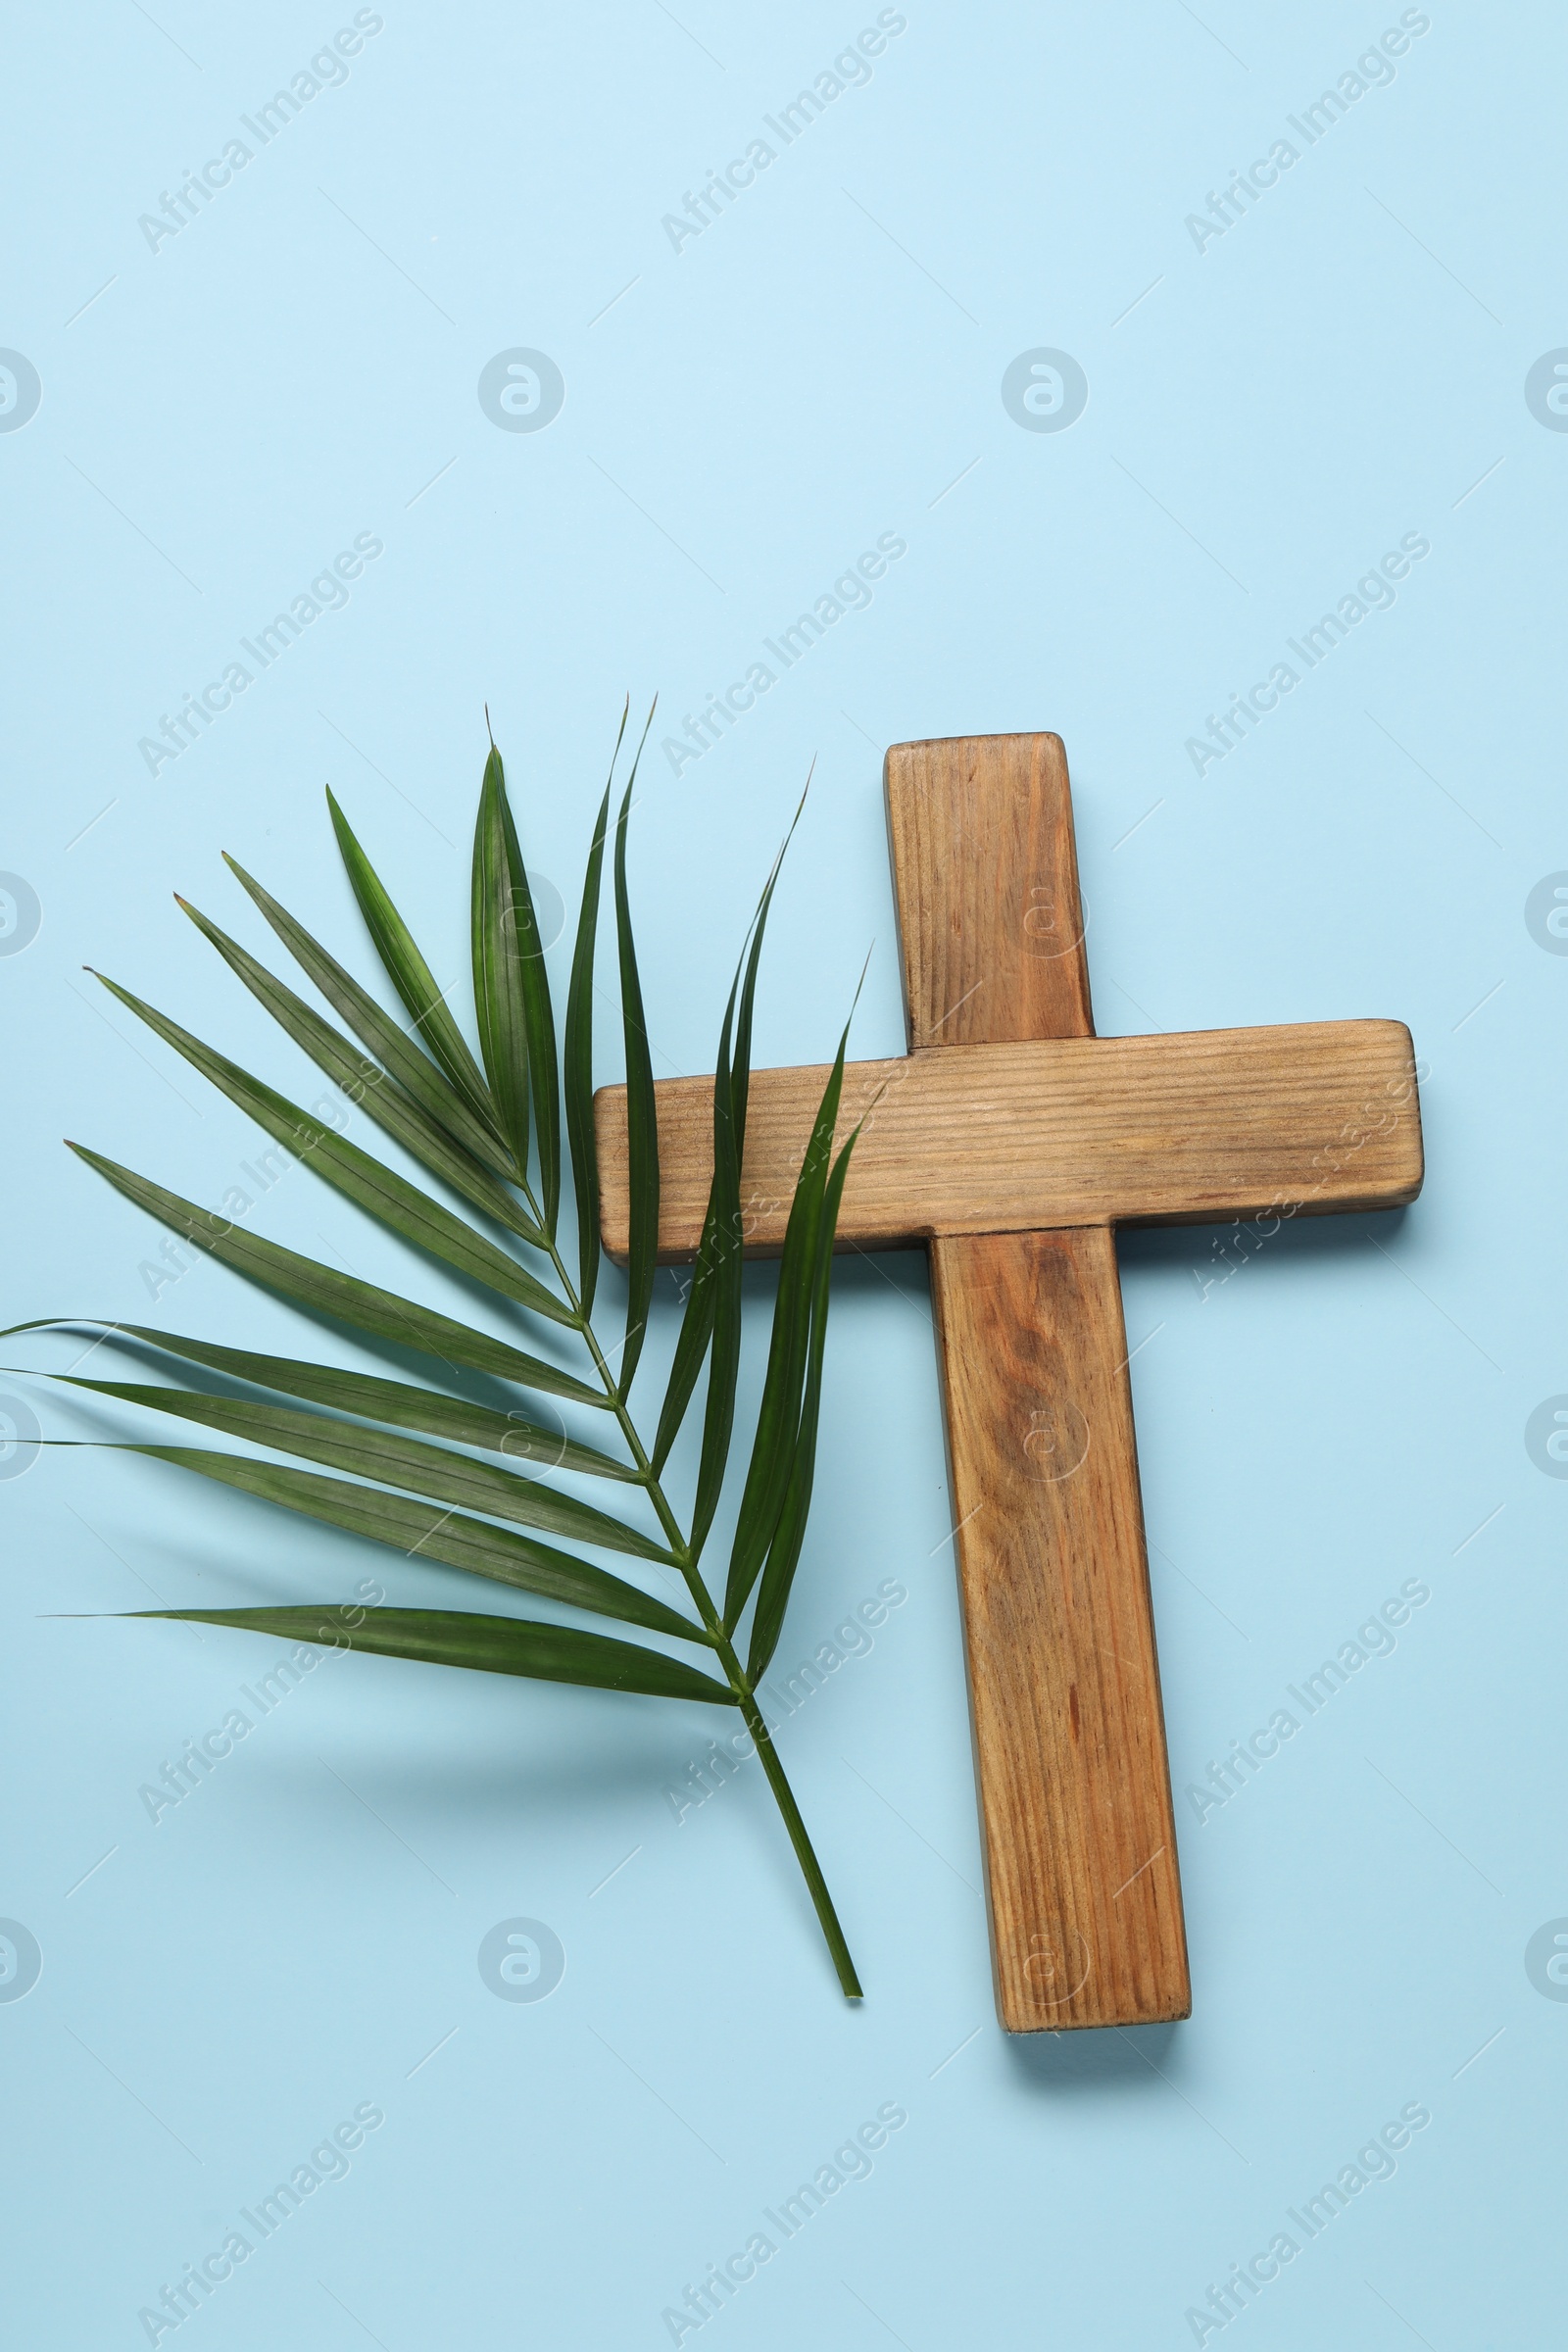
<point x="577" y="1047"/>
<point x="642" y="1122"/>
<point x="519" y="1646"/>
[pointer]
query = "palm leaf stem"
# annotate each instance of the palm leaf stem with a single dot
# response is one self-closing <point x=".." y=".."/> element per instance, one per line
<point x="735" y="1673"/>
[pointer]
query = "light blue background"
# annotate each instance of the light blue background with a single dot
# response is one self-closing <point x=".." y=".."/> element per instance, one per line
<point x="742" y="419"/>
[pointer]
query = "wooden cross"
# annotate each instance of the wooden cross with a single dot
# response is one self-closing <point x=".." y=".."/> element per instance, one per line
<point x="1012" y="1142"/>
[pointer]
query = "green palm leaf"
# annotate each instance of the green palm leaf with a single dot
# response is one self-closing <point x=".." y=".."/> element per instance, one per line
<point x="417" y="1530"/>
<point x="578" y="1067"/>
<point x="398" y="1461"/>
<point x="498" y="964"/>
<point x="713" y="1304"/>
<point x="724" y="1209"/>
<point x="578" y="1072"/>
<point x="784" y="1552"/>
<point x="697" y="1323"/>
<point x="539" y="1019"/>
<point x="546" y="1654"/>
<point x="388" y="1198"/>
<point x="742" y="1076"/>
<point x="323" y="1289"/>
<point x="730" y="1225"/>
<point x="406" y="1063"/>
<point x="778" y="1418"/>
<point x="368" y="1085"/>
<point x="408" y="970"/>
<point x="642" y="1118"/>
<point x="372" y="1398"/>
<point x="433" y="1474"/>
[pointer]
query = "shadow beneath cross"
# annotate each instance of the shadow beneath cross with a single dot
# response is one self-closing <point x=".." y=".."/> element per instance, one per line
<point x="1222" y="1252"/>
<point x="1089" y="2059"/>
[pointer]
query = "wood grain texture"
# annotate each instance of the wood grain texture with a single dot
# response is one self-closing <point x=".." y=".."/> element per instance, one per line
<point x="989" y="920"/>
<point x="1084" y="1895"/>
<point x="1316" y="1117"/>
<point x="1012" y="1140"/>
<point x="1070" y="1738"/>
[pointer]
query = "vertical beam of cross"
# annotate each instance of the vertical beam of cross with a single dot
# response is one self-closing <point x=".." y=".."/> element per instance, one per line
<point x="1010" y="1143"/>
<point x="1069" y="1740"/>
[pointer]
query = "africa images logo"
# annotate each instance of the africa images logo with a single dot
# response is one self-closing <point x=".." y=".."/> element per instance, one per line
<point x="522" y="390"/>
<point x="1545" y="390"/>
<point x="1546" y="1436"/>
<point x="20" y="914"/>
<point x="1044" y="390"/>
<point x="21" y="1960"/>
<point x="1546" y="1960"/>
<point x="19" y="391"/>
<point x="523" y="1960"/>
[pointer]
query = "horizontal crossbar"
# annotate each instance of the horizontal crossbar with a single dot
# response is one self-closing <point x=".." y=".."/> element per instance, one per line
<point x="1300" y="1120"/>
